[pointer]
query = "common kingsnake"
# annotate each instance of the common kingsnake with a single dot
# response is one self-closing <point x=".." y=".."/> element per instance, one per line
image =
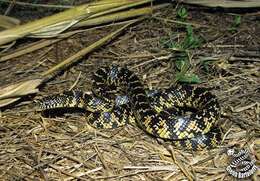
<point x="157" y="114"/>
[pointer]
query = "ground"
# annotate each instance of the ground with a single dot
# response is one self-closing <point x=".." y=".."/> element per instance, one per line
<point x="64" y="147"/>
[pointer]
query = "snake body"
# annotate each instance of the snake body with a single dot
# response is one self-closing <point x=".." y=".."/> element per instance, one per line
<point x="157" y="115"/>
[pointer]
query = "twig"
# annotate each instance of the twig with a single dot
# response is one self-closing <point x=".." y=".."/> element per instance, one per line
<point x="182" y="23"/>
<point x="101" y="158"/>
<point x="75" y="83"/>
<point x="182" y="168"/>
<point x="68" y="174"/>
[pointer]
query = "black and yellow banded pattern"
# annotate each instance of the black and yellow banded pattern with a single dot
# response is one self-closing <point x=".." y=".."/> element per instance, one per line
<point x="158" y="114"/>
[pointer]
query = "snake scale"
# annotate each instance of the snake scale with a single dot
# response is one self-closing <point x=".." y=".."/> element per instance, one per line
<point x="158" y="114"/>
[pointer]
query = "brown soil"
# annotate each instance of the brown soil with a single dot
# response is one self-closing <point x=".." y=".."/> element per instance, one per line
<point x="63" y="147"/>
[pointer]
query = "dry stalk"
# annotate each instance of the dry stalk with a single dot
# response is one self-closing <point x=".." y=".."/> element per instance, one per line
<point x="225" y="3"/>
<point x="57" y="23"/>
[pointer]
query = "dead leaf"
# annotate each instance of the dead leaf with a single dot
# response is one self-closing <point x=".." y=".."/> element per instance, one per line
<point x="14" y="92"/>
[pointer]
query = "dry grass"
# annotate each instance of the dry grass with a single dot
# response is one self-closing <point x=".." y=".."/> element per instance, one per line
<point x="64" y="147"/>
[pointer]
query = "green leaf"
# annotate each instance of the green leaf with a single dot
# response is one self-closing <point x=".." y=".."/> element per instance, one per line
<point x="168" y="43"/>
<point x="191" y="41"/>
<point x="180" y="64"/>
<point x="182" y="13"/>
<point x="188" y="78"/>
<point x="237" y="21"/>
<point x="189" y="30"/>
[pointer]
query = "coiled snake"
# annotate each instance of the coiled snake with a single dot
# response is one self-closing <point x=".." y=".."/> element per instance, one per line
<point x="157" y="114"/>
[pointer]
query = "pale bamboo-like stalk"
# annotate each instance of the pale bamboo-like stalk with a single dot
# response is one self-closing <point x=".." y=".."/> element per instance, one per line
<point x="63" y="19"/>
<point x="120" y="8"/>
<point x="119" y="16"/>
